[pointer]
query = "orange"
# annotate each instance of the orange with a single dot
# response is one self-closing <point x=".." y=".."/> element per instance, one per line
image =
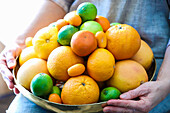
<point x="28" y="41"/>
<point x="128" y="75"/>
<point x="72" y="18"/>
<point x="80" y="90"/>
<point x="59" y="24"/>
<point x="44" y="41"/>
<point x="100" y="65"/>
<point x="60" y="60"/>
<point x="76" y="69"/>
<point x="104" y="22"/>
<point x="27" y="54"/>
<point x="101" y="39"/>
<point x="54" y="98"/>
<point x="144" y="56"/>
<point x="123" y="41"/>
<point x="29" y="69"/>
<point x="83" y="43"/>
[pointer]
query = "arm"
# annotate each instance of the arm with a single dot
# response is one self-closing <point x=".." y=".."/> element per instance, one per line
<point x="164" y="72"/>
<point x="150" y="94"/>
<point x="48" y="13"/>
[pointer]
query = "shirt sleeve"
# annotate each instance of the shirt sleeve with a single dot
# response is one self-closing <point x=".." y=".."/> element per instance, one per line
<point x="65" y="4"/>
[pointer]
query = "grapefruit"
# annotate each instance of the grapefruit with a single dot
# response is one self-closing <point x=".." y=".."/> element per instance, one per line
<point x="29" y="69"/>
<point x="128" y="75"/>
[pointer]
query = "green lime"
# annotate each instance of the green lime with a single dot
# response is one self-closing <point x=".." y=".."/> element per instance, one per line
<point x="87" y="11"/>
<point x="113" y="24"/>
<point x="41" y="84"/>
<point x="65" y="34"/>
<point x="56" y="90"/>
<point x="91" y="26"/>
<point x="109" y="93"/>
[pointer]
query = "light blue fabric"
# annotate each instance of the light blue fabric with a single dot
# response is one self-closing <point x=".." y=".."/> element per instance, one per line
<point x="163" y="107"/>
<point x="22" y="105"/>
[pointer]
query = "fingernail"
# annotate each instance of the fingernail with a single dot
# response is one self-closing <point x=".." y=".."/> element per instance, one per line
<point x="123" y="96"/>
<point x="106" y="111"/>
<point x="10" y="77"/>
<point x="11" y="63"/>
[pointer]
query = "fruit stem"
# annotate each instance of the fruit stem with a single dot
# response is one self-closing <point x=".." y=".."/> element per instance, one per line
<point x="105" y="92"/>
<point x="47" y="40"/>
<point x="83" y="84"/>
<point x="119" y="27"/>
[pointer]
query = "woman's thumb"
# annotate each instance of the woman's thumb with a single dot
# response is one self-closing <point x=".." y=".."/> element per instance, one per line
<point x="139" y="91"/>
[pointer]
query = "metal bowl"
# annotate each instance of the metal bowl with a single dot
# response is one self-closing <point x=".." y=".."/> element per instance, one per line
<point x="85" y="108"/>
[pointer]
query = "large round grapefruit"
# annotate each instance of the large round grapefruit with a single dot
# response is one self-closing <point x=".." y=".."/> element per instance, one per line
<point x="128" y="75"/>
<point x="29" y="69"/>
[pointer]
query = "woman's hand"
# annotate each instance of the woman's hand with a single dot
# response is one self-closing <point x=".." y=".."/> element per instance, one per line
<point x="7" y="62"/>
<point x="150" y="94"/>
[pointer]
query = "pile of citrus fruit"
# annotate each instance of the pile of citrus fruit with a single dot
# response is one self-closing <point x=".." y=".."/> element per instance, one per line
<point x="83" y="59"/>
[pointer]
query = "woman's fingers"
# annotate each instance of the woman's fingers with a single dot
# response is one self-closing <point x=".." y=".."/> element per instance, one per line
<point x="16" y="91"/>
<point x="114" y="109"/>
<point x="140" y="105"/>
<point x="17" y="51"/>
<point x="10" y="59"/>
<point x="9" y="83"/>
<point x="5" y="71"/>
<point x="7" y="62"/>
<point x="139" y="91"/>
<point x="10" y="56"/>
<point x="124" y="103"/>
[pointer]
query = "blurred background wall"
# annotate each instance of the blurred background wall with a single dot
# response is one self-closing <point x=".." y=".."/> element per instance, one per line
<point x="14" y="17"/>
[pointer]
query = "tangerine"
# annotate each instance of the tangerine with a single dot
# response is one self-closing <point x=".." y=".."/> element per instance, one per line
<point x="59" y="24"/>
<point x="72" y="18"/>
<point x="101" y="39"/>
<point x="76" y="69"/>
<point x="104" y="22"/>
<point x="83" y="43"/>
<point x="54" y="98"/>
